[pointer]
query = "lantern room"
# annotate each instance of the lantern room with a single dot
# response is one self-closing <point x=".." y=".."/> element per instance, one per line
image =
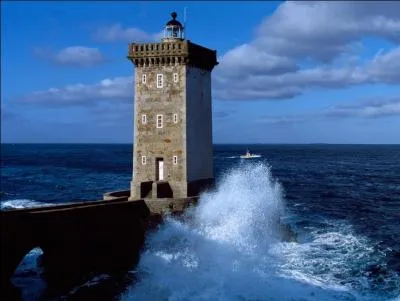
<point x="173" y="29"/>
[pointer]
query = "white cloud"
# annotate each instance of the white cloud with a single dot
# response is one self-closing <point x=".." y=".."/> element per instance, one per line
<point x="323" y="30"/>
<point x="79" y="56"/>
<point x="365" y="109"/>
<point x="322" y="33"/>
<point x="269" y="66"/>
<point x="249" y="58"/>
<point x="385" y="67"/>
<point x="118" y="89"/>
<point x="371" y="109"/>
<point x="250" y="85"/>
<point x="117" y="33"/>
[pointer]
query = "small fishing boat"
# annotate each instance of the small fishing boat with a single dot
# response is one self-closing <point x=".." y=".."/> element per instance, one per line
<point x="248" y="155"/>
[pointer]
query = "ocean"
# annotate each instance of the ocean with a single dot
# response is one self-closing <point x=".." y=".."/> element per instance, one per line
<point x="342" y="201"/>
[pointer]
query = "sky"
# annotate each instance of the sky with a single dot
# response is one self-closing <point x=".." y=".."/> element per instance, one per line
<point x="289" y="72"/>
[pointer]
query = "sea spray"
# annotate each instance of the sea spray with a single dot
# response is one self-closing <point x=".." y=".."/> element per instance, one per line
<point x="244" y="210"/>
<point x="29" y="273"/>
<point x="222" y="251"/>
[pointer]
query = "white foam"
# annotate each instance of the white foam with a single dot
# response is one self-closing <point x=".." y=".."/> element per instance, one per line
<point x="22" y="203"/>
<point x="243" y="210"/>
<point x="29" y="261"/>
<point x="228" y="250"/>
<point x="27" y="276"/>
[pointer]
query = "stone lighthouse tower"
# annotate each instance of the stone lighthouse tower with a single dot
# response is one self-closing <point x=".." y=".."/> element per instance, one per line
<point x="173" y="155"/>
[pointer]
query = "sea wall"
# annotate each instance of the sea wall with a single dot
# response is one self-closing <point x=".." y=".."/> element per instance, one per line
<point x="82" y="238"/>
<point x="76" y="239"/>
<point x="160" y="206"/>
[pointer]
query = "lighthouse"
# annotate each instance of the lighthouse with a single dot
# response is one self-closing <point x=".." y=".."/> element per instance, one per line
<point x="172" y="153"/>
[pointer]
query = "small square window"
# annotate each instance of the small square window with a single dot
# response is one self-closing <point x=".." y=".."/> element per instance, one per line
<point x="143" y="160"/>
<point x="159" y="121"/>
<point x="175" y="118"/>
<point x="175" y="160"/>
<point x="144" y="119"/>
<point x="144" y="78"/>
<point x="160" y="81"/>
<point x="175" y="77"/>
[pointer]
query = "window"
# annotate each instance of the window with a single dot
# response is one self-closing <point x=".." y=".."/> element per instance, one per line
<point x="159" y="121"/>
<point x="175" y="160"/>
<point x="175" y="118"/>
<point x="160" y="81"/>
<point x="144" y="119"/>
<point x="143" y="78"/>
<point x="143" y="160"/>
<point x="175" y="77"/>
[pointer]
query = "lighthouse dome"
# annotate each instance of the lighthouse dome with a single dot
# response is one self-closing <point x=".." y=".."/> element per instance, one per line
<point x="174" y="22"/>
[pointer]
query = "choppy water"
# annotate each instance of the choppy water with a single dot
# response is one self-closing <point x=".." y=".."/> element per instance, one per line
<point x="343" y="202"/>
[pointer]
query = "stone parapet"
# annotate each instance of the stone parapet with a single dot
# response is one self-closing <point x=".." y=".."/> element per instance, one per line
<point x="171" y="53"/>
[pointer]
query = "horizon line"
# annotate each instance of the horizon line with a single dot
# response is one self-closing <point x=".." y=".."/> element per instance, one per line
<point x="225" y="143"/>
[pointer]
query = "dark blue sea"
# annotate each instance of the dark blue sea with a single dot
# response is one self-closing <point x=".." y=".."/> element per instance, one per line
<point x="343" y="202"/>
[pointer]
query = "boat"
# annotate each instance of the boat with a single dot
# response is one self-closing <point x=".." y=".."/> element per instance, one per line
<point x="249" y="155"/>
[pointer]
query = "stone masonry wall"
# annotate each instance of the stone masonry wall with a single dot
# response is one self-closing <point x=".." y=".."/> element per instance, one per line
<point x="199" y="124"/>
<point x="190" y="139"/>
<point x="164" y="142"/>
